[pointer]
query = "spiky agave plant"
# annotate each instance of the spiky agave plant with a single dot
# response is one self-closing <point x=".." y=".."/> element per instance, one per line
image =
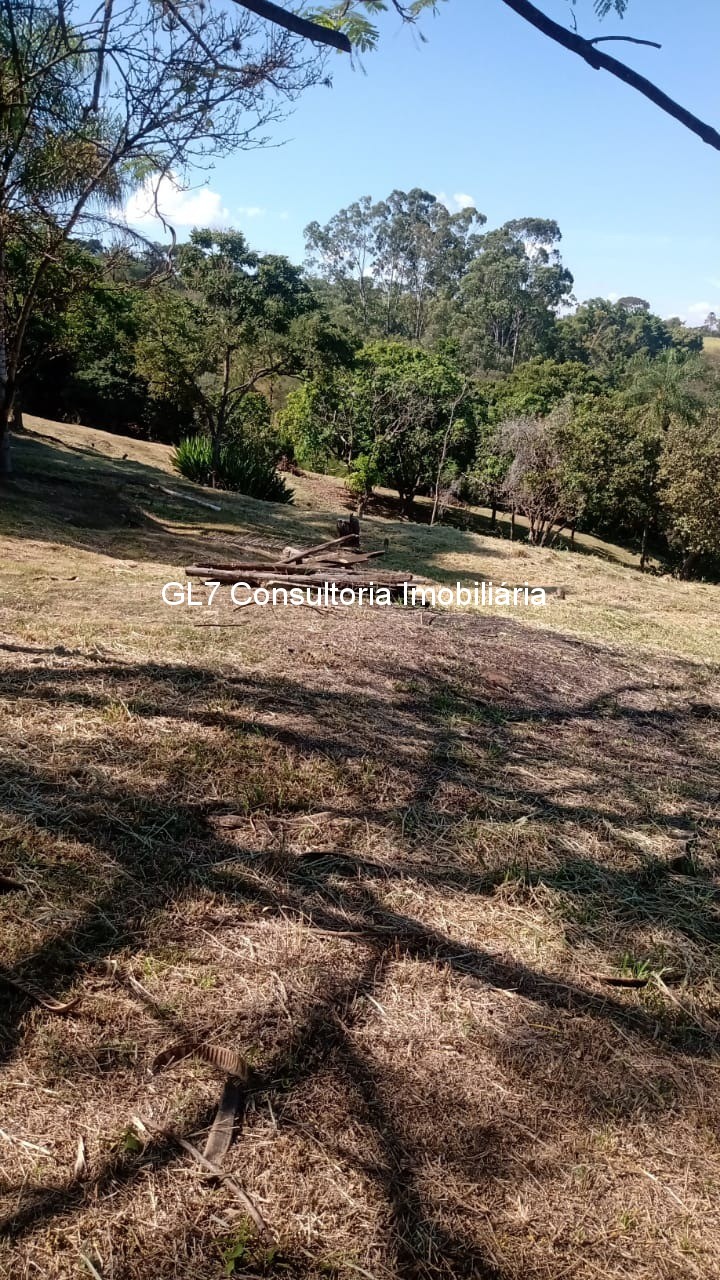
<point x="239" y="467"/>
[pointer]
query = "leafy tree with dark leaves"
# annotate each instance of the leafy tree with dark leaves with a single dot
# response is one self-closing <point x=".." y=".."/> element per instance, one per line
<point x="689" y="480"/>
<point x="507" y="301"/>
<point x="96" y="100"/>
<point x="607" y="335"/>
<point x="236" y="320"/>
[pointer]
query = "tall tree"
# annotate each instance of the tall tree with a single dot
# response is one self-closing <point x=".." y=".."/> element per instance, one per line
<point x="343" y="253"/>
<point x="689" y="484"/>
<point x="421" y="251"/>
<point x="96" y="100"/>
<point x="390" y="261"/>
<point x="508" y="299"/>
<point x="240" y="320"/>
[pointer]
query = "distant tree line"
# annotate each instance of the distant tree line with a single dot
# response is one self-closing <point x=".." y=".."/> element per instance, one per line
<point x="416" y="350"/>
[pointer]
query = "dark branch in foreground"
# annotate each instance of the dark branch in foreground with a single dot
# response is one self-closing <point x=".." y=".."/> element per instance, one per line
<point x="585" y="49"/>
<point x="300" y="26"/>
<point x="651" y="44"/>
<point x="600" y="61"/>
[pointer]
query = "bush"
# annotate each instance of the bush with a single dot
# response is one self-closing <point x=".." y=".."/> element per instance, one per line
<point x="240" y="468"/>
<point x="362" y="475"/>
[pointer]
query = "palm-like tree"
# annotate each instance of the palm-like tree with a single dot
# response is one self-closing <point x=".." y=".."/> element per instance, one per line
<point x="667" y="389"/>
<point x="662" y="391"/>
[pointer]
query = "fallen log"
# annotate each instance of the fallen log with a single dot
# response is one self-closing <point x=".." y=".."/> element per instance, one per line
<point x="355" y="583"/>
<point x="262" y="577"/>
<point x="321" y="546"/>
<point x="285" y="566"/>
<point x="358" y="559"/>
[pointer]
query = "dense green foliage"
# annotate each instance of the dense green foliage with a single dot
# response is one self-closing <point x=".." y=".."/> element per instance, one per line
<point x="245" y="470"/>
<point x="418" y="351"/>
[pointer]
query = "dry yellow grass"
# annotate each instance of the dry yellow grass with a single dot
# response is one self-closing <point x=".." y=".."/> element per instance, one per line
<point x="392" y="858"/>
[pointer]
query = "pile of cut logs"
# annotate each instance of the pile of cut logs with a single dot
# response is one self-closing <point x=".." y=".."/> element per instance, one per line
<point x="339" y="561"/>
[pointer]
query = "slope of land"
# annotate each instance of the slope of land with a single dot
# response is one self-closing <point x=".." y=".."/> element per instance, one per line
<point x="390" y="857"/>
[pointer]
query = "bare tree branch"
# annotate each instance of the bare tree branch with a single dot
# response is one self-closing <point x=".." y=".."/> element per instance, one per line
<point x="652" y="44"/>
<point x="625" y="40"/>
<point x="600" y="61"/>
<point x="300" y="26"/>
<point x="100" y="63"/>
<point x="585" y="49"/>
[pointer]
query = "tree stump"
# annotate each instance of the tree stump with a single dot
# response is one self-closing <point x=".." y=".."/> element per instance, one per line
<point x="349" y="529"/>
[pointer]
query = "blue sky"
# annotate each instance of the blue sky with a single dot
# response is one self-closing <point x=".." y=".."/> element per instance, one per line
<point x="489" y="108"/>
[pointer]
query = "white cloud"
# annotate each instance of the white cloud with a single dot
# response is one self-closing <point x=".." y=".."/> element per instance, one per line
<point x="613" y="296"/>
<point x="454" y="203"/>
<point x="696" y="312"/>
<point x="199" y="208"/>
<point x="251" y="211"/>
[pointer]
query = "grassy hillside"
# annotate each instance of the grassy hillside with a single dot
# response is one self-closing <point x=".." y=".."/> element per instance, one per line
<point x="711" y="348"/>
<point x="447" y="881"/>
<point x="93" y="494"/>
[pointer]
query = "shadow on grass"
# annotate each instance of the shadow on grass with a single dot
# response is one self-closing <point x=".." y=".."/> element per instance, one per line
<point x="80" y="497"/>
<point x="480" y="792"/>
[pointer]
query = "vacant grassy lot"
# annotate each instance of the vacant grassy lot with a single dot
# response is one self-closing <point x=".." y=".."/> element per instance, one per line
<point x="449" y="883"/>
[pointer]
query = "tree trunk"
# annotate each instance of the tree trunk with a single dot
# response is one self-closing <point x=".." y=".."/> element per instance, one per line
<point x="688" y="564"/>
<point x="221" y="418"/>
<point x="215" y="461"/>
<point x="6" y="389"/>
<point x="643" y="548"/>
<point x="5" y="452"/>
<point x="493" y="516"/>
<point x="7" y="419"/>
<point x="512" y="525"/>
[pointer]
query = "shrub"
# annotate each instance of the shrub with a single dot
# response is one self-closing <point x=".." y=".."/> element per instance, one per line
<point x="240" y="468"/>
<point x="362" y="475"/>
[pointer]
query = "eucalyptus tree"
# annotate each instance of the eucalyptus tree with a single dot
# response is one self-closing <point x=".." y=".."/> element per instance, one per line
<point x="342" y="253"/>
<point x="391" y="260"/>
<point x="507" y="301"/>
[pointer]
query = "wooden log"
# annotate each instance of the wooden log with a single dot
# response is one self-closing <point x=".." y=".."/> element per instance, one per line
<point x="262" y="577"/>
<point x="319" y="563"/>
<point x="295" y="566"/>
<point x="348" y="540"/>
<point x="258" y="566"/>
<point x="333" y="579"/>
<point x="358" y="559"/>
